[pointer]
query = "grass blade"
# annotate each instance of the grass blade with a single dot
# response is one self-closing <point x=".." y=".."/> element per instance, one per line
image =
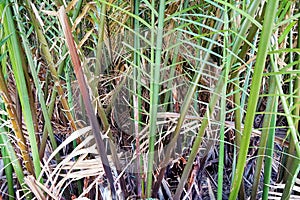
<point x="271" y="10"/>
<point x="86" y="98"/>
<point x="154" y="91"/>
<point x="16" y="60"/>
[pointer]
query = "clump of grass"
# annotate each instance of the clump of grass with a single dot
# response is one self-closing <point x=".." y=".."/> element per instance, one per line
<point x="167" y="87"/>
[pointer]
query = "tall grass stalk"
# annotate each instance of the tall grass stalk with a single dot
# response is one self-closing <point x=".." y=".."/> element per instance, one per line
<point x="238" y="99"/>
<point x="16" y="125"/>
<point x="49" y="59"/>
<point x="270" y="142"/>
<point x="33" y="67"/>
<point x="267" y="28"/>
<point x="94" y="87"/>
<point x="296" y="111"/>
<point x="293" y="172"/>
<point x="226" y="68"/>
<point x="154" y="94"/>
<point x="87" y="102"/>
<point x="265" y="134"/>
<point x="137" y="100"/>
<point x="54" y="92"/>
<point x="16" y="60"/>
<point x="55" y="75"/>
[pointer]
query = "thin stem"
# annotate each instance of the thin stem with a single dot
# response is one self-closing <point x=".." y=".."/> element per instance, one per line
<point x="154" y="91"/>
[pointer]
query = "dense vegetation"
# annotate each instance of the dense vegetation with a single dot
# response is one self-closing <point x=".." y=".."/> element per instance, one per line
<point x="149" y="99"/>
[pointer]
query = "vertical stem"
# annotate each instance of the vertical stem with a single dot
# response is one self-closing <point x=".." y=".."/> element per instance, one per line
<point x="86" y="98"/>
<point x="37" y="84"/>
<point x="15" y="56"/>
<point x="294" y="144"/>
<point x="137" y="96"/>
<point x="227" y="64"/>
<point x="264" y="135"/>
<point x="154" y="93"/>
<point x="270" y="145"/>
<point x="267" y="29"/>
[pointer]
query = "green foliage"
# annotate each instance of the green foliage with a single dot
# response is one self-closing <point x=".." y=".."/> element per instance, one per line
<point x="168" y="80"/>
